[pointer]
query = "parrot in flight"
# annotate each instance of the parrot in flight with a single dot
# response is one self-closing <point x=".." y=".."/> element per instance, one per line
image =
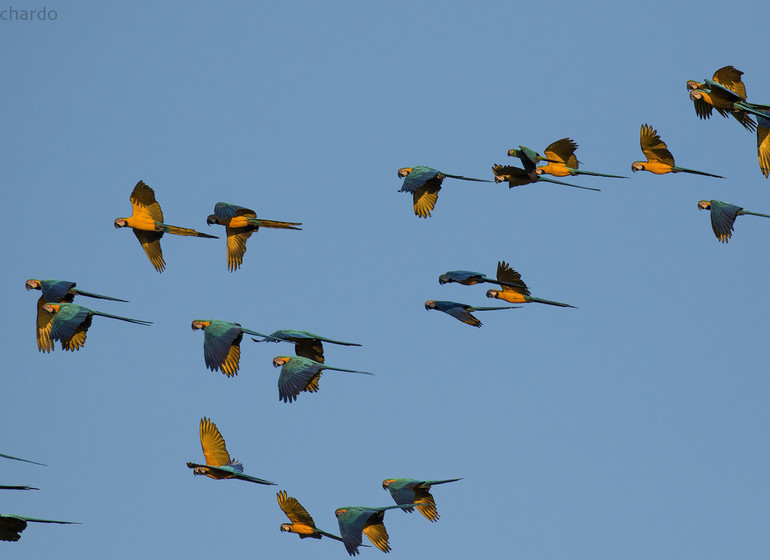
<point x="409" y="490"/>
<point x="516" y="177"/>
<point x="306" y="344"/>
<point x="71" y="322"/>
<point x="301" y="374"/>
<point x="147" y="222"/>
<point x="239" y="224"/>
<point x="462" y="311"/>
<point x="354" y="521"/>
<point x="763" y="143"/>
<point x="219" y="465"/>
<point x="222" y="344"/>
<point x="54" y="291"/>
<point x="11" y="526"/>
<point x="302" y="523"/>
<point x="723" y="216"/>
<point x="515" y="290"/>
<point x="561" y="159"/>
<point x="468" y="278"/>
<point x="727" y="77"/>
<point x="659" y="159"/>
<point x="424" y="184"/>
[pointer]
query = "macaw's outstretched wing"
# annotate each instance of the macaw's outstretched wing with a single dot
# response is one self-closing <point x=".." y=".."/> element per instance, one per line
<point x="150" y="241"/>
<point x="236" y="245"/>
<point x="295" y="378"/>
<point x="763" y="144"/>
<point x="221" y="347"/>
<point x="294" y="510"/>
<point x="374" y="529"/>
<point x="563" y="151"/>
<point x="425" y="197"/>
<point x="653" y="148"/>
<point x="213" y="444"/>
<point x="723" y="216"/>
<point x="143" y="202"/>
<point x="43" y="327"/>
<point x="68" y="320"/>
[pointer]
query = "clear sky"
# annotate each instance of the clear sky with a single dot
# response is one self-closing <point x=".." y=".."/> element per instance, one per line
<point x="634" y="427"/>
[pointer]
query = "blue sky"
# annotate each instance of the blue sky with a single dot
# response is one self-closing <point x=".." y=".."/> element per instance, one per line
<point x="632" y="427"/>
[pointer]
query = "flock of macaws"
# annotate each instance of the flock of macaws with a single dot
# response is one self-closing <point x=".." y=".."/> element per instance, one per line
<point x="59" y="319"/>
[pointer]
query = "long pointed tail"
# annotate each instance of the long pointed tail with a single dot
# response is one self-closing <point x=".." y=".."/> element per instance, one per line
<point x="685" y="170"/>
<point x="98" y="296"/>
<point x="23" y="460"/>
<point x="581" y="172"/>
<point x="335" y="537"/>
<point x="467" y="178"/>
<point x="348" y="370"/>
<point x="255" y="333"/>
<point x="255" y="479"/>
<point x="185" y="231"/>
<point x="754" y="213"/>
<point x="541" y="178"/>
<point x="273" y="224"/>
<point x="494" y="308"/>
<point x="753" y="108"/>
<point x="126" y="319"/>
<point x="549" y="302"/>
<point x="18" y="488"/>
<point x="434" y="482"/>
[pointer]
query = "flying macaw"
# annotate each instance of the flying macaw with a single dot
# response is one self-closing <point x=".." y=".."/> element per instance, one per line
<point x="3" y="487"/>
<point x="516" y="177"/>
<point x="71" y="322"/>
<point x="239" y="224"/>
<point x="218" y="463"/>
<point x="409" y="490"/>
<point x="466" y="278"/>
<point x="54" y="291"/>
<point x="727" y="77"/>
<point x="11" y="526"/>
<point x="301" y="374"/>
<point x="424" y="184"/>
<point x="302" y="523"/>
<point x="147" y="223"/>
<point x="369" y="520"/>
<point x="659" y="159"/>
<point x="561" y="159"/>
<point x="723" y="216"/>
<point x="222" y="344"/>
<point x="763" y="143"/>
<point x="728" y="100"/>
<point x="515" y="290"/>
<point x="23" y="460"/>
<point x="462" y="311"/>
<point x="306" y="344"/>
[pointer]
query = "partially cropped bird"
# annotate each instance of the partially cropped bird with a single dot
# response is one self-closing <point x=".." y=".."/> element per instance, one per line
<point x="302" y="523"/>
<point x="723" y="216"/>
<point x="515" y="290"/>
<point x="516" y="177"/>
<point x="412" y="491"/>
<point x="301" y="374"/>
<point x="222" y="344"/>
<point x="659" y="159"/>
<point x="11" y="526"/>
<point x="306" y="344"/>
<point x="424" y="183"/>
<point x="461" y="311"/>
<point x="562" y="161"/>
<point x="239" y="224"/>
<point x="219" y="465"/>
<point x="71" y="322"/>
<point x="54" y="291"/>
<point x="147" y="223"/>
<point x="4" y="487"/>
<point x="23" y="460"/>
<point x="763" y="143"/>
<point x="354" y="521"/>
<point x="729" y="78"/>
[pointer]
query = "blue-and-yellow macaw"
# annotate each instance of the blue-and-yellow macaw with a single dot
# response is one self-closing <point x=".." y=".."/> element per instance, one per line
<point x="11" y="525"/>
<point x="462" y="311"/>
<point x="147" y="222"/>
<point x="466" y="278"/>
<point x="54" y="291"/>
<point x="561" y="159"/>
<point x="301" y="374"/>
<point x="24" y="460"/>
<point x="239" y="224"/>
<point x="71" y="322"/>
<point x="720" y="97"/>
<point x="306" y="344"/>
<point x="424" y="183"/>
<point x="412" y="491"/>
<point x="728" y="78"/>
<point x="763" y="142"/>
<point x="222" y="344"/>
<point x="516" y="177"/>
<point x="356" y="520"/>
<point x="723" y="216"/>
<point x="219" y="465"/>
<point x="515" y="290"/>
<point x="302" y="523"/>
<point x="659" y="159"/>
